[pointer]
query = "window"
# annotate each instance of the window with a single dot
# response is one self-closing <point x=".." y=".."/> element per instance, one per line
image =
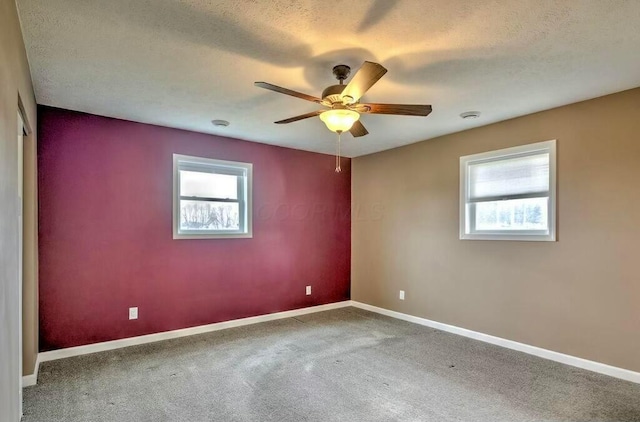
<point x="211" y="198"/>
<point x="509" y="194"/>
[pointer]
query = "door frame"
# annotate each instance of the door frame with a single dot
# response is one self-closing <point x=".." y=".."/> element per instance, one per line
<point x="20" y="222"/>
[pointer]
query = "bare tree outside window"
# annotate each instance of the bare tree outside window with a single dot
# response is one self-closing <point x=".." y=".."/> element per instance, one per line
<point x="209" y="216"/>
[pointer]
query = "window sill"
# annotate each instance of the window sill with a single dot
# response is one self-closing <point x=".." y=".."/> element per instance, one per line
<point x="178" y="236"/>
<point x="512" y="237"/>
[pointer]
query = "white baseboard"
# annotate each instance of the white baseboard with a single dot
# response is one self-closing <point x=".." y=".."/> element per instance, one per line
<point x="167" y="335"/>
<point x="29" y="380"/>
<point x="589" y="365"/>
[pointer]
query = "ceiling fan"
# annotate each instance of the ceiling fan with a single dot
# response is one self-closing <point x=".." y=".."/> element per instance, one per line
<point x="343" y="100"/>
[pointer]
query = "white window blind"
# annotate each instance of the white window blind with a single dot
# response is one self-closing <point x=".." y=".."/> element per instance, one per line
<point x="508" y="178"/>
<point x="211" y="185"/>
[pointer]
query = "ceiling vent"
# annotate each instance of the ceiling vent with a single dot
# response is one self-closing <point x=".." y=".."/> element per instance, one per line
<point x="470" y="115"/>
<point x="220" y="123"/>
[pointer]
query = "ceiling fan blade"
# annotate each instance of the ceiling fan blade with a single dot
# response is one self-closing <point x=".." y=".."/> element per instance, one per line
<point x="400" y="109"/>
<point x="286" y="91"/>
<point x="364" y="79"/>
<point x="358" y="129"/>
<point x="301" y="117"/>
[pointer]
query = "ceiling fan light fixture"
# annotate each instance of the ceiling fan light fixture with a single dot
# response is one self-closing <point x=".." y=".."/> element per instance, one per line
<point x="339" y="120"/>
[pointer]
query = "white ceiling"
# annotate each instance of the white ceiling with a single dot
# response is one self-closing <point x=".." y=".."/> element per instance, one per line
<point x="182" y="63"/>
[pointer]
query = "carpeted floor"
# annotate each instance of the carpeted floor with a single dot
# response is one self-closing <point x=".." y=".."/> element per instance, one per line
<point x="341" y="365"/>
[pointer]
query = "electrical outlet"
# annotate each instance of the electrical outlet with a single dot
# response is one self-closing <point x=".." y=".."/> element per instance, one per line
<point x="133" y="313"/>
<point x="401" y="294"/>
<point x="308" y="290"/>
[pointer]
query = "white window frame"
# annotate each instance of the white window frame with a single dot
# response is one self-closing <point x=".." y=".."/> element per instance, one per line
<point x="244" y="197"/>
<point x="467" y="220"/>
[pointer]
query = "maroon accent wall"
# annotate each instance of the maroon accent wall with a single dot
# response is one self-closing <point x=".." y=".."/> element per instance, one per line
<point x="105" y="191"/>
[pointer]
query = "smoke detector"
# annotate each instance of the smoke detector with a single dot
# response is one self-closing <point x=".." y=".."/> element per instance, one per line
<point x="220" y="123"/>
<point x="470" y="115"/>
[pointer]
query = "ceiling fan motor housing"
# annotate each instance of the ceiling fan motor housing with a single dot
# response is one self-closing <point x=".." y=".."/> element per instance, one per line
<point x="333" y="94"/>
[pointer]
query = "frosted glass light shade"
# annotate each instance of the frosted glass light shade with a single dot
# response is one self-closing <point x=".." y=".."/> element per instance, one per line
<point x="339" y="120"/>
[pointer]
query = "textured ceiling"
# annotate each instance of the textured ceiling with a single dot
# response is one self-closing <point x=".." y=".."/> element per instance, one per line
<point x="183" y="63"/>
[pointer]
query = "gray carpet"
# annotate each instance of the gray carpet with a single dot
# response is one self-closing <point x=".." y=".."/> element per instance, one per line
<point x="342" y="365"/>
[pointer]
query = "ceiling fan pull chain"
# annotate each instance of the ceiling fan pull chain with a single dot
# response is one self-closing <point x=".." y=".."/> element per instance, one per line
<point x="338" y="169"/>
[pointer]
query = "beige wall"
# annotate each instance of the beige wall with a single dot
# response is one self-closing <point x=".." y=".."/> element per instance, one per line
<point x="580" y="295"/>
<point x="15" y="87"/>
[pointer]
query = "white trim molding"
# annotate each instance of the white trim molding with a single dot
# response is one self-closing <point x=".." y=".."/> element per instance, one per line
<point x="29" y="380"/>
<point x="244" y="173"/>
<point x="184" y="332"/>
<point x="589" y="365"/>
<point x="469" y="203"/>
